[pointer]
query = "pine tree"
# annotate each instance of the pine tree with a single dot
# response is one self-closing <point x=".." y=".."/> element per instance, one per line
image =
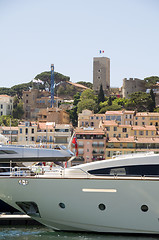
<point x="109" y="101"/>
<point x="153" y="104"/>
<point x="101" y="97"/>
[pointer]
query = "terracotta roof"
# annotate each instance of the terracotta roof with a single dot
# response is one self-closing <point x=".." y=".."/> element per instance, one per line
<point x="121" y="140"/>
<point x="9" y="128"/>
<point x="109" y="123"/>
<point x="129" y="112"/>
<point x="4" y="96"/>
<point x="147" y="114"/>
<point x="132" y="139"/>
<point x="42" y="125"/>
<point x="113" y="112"/>
<point x="91" y="131"/>
<point x="77" y="85"/>
<point x="148" y="140"/>
<point x="146" y="127"/>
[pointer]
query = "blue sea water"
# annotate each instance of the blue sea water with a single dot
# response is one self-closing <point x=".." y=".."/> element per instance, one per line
<point x="43" y="233"/>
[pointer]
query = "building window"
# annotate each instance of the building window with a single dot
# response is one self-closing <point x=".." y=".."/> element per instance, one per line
<point x="141" y="133"/>
<point x="146" y="133"/>
<point x="32" y="138"/>
<point x="32" y="130"/>
<point x="114" y="135"/>
<point x="26" y="131"/>
<point x="1" y="113"/>
<point x="143" y="118"/>
<point x="1" y="106"/>
<point x="21" y="130"/>
<point x="92" y="124"/>
<point x="135" y="132"/>
<point x="150" y="123"/>
<point x="26" y="101"/>
<point x="107" y="117"/>
<point x="152" y="132"/>
<point x="126" y="116"/>
<point x="108" y="128"/>
<point x="143" y="123"/>
<point x="126" y="135"/>
<point x="124" y="129"/>
<point x="115" y="128"/>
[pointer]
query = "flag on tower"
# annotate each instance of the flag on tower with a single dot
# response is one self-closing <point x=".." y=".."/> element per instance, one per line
<point x="101" y="51"/>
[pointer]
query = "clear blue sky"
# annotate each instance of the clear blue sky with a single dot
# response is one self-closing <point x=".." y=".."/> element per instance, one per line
<point x="69" y="33"/>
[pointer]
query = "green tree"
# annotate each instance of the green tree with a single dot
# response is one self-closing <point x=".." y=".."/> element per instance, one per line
<point x="73" y="112"/>
<point x="150" y="82"/>
<point x="18" y="110"/>
<point x="89" y="104"/>
<point x="6" y="120"/>
<point x="139" y="101"/>
<point x="88" y="94"/>
<point x="101" y="97"/>
<point x="88" y="100"/>
<point x="46" y="77"/>
<point x="110" y="101"/>
<point x="86" y="84"/>
<point x="153" y="103"/>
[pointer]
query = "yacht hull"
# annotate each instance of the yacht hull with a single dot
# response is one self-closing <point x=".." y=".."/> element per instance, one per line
<point x="97" y="205"/>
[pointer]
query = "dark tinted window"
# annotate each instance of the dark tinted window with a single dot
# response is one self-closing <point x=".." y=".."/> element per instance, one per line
<point x="139" y="170"/>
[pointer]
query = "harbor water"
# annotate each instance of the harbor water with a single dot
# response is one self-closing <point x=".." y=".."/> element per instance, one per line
<point x="43" y="233"/>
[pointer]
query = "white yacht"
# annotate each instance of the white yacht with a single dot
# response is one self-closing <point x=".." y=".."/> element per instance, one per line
<point x="112" y="196"/>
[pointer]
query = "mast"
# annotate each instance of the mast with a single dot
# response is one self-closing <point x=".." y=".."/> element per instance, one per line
<point x="52" y="85"/>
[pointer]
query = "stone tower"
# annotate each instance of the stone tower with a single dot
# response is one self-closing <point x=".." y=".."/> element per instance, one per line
<point x="132" y="85"/>
<point x="101" y="74"/>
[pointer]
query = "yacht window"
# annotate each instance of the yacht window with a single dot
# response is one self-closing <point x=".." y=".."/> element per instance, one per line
<point x="136" y="170"/>
<point x="7" y="152"/>
<point x="102" y="206"/>
<point x="117" y="171"/>
<point x="144" y="208"/>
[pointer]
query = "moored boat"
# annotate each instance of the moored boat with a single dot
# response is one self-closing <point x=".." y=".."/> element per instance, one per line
<point x="118" y="196"/>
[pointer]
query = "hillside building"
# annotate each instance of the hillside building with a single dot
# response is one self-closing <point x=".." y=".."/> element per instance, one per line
<point x="91" y="144"/>
<point x="6" y="105"/>
<point x="57" y="115"/>
<point x="132" y="85"/>
<point x="34" y="100"/>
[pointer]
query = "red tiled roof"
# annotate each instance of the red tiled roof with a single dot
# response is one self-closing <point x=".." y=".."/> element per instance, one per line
<point x="129" y="139"/>
<point x="147" y="114"/>
<point x="42" y="125"/>
<point x="142" y="128"/>
<point x="109" y="123"/>
<point x="87" y="132"/>
<point x="77" y="85"/>
<point x="114" y="112"/>
<point x="4" y="96"/>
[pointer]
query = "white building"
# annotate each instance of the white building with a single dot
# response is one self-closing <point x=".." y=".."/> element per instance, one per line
<point x="6" y="105"/>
